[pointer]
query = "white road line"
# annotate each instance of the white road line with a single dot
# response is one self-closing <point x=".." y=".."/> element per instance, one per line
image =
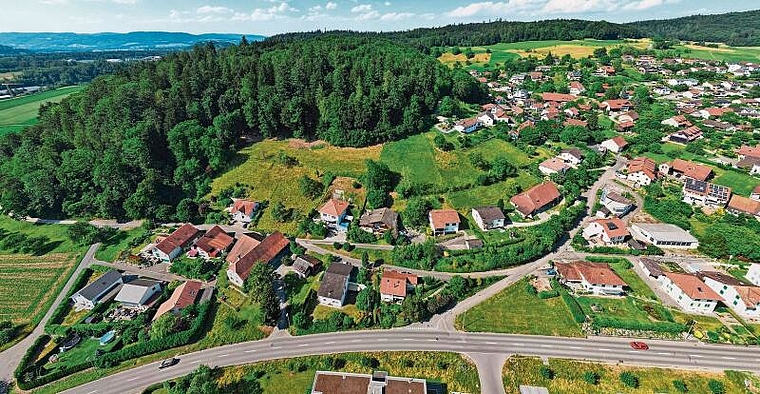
<point x="696" y="355"/>
<point x="222" y="355"/>
<point x="605" y="350"/>
<point x="303" y="345"/>
<point x="93" y="391"/>
<point x="330" y="343"/>
<point x="546" y="345"/>
<point x="517" y="344"/>
<point x="728" y="358"/>
<point x="250" y="351"/>
<point x="382" y="339"/>
<point x="408" y="339"/>
<point x="133" y="379"/>
<point x="491" y="343"/>
<point x="663" y="353"/>
<point x="356" y="340"/>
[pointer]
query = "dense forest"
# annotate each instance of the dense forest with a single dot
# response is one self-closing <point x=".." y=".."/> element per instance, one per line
<point x="488" y="33"/>
<point x="136" y="143"/>
<point x="734" y="28"/>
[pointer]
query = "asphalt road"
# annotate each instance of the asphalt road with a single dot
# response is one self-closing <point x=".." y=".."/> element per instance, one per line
<point x="685" y="355"/>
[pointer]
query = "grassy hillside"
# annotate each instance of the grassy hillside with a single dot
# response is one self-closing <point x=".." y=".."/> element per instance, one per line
<point x="17" y="113"/>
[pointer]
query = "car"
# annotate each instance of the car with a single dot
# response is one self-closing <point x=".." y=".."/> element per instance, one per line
<point x="168" y="363"/>
<point x="639" y="346"/>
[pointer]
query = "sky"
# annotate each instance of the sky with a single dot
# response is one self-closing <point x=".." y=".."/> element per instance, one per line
<point x="269" y="17"/>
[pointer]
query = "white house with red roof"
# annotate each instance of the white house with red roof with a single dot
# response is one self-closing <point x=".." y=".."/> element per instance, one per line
<point x="183" y="296"/>
<point x="333" y="211"/>
<point x="444" y="221"/>
<point x="642" y="171"/>
<point x="536" y="199"/>
<point x="577" y="88"/>
<point x="691" y="294"/>
<point x="172" y="246"/>
<point x="741" y="298"/>
<point x="606" y="231"/>
<point x="242" y="259"/>
<point x="615" y="145"/>
<point x="553" y="166"/>
<point x="395" y="285"/>
<point x="243" y="211"/>
<point x="597" y="278"/>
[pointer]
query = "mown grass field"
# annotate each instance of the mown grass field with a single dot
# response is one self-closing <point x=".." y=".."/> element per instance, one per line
<point x="17" y="113"/>
<point x="283" y="376"/>
<point x="517" y="312"/>
<point x="269" y="180"/>
<point x="58" y="241"/>
<point x="722" y="53"/>
<point x="568" y="378"/>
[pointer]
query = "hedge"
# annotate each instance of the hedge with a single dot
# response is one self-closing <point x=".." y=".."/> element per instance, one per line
<point x="546" y="294"/>
<point x="572" y="304"/>
<point x="636" y="325"/>
<point x="30" y="354"/>
<point x="60" y="312"/>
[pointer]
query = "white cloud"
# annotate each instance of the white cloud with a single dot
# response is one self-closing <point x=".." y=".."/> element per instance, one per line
<point x="125" y="1"/>
<point x="387" y="3"/>
<point x="207" y="9"/>
<point x="576" y="6"/>
<point x="485" y="7"/>
<point x="265" y="14"/>
<point x="362" y="8"/>
<point x="331" y="6"/>
<point x="53" y="2"/>
<point x="396" y="16"/>
<point x="647" y="4"/>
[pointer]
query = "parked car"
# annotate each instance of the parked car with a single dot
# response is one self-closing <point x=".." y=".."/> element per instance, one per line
<point x="168" y="363"/>
<point x="639" y="346"/>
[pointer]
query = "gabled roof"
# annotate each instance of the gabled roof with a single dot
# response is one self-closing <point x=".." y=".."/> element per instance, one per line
<point x="386" y="216"/>
<point x="334" y="280"/>
<point x="536" y="198"/>
<point x="334" y="207"/>
<point x="593" y="273"/>
<point x="305" y="263"/>
<point x="394" y="282"/>
<point x="101" y="284"/>
<point x="264" y="252"/>
<point x="652" y="266"/>
<point x="746" y="150"/>
<point x="245" y="243"/>
<point x="183" y="296"/>
<point x="693" y="287"/>
<point x="490" y="213"/>
<point x="134" y="291"/>
<point x="558" y="97"/>
<point x="644" y="165"/>
<point x="180" y="238"/>
<point x="750" y="295"/>
<point x="720" y="278"/>
<point x="215" y="241"/>
<point x="617" y="104"/>
<point x="575" y="152"/>
<point x="554" y="164"/>
<point x="744" y="205"/>
<point x="440" y="217"/>
<point x="614" y="227"/>
<point x="246" y="207"/>
<point x="619" y="141"/>
<point x="691" y="170"/>
<point x="615" y="196"/>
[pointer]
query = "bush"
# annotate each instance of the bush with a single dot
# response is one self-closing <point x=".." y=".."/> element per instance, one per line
<point x="716" y="387"/>
<point x="591" y="377"/>
<point x="629" y="379"/>
<point x="680" y="386"/>
<point x="337" y="245"/>
<point x="546" y="372"/>
<point x="530" y="289"/>
<point x="547" y="294"/>
<point x="572" y="304"/>
<point x="636" y="325"/>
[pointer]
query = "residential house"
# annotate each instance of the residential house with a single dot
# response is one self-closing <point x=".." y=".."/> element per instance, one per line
<point x="487" y="119"/>
<point x="755" y="195"/>
<point x="577" y="88"/>
<point x="615" y="145"/>
<point x="572" y="156"/>
<point x="741" y="298"/>
<point x="651" y="268"/>
<point x="748" y="151"/>
<point x="467" y="126"/>
<point x="628" y="117"/>
<point x="575" y="123"/>
<point x="613" y="200"/>
<point x="212" y="244"/>
<point x="753" y="274"/>
<point x="488" y="218"/>
<point x="686" y="135"/>
<point x="395" y="285"/>
<point x="334" y="211"/>
<point x="328" y="382"/>
<point x="268" y="251"/>
<point x="691" y="294"/>
<point x="243" y="211"/>
<point x="617" y="106"/>
<point x="642" y="171"/>
<point x="610" y="231"/>
<point x="334" y="286"/>
<point x="379" y="221"/>
<point x="664" y="235"/>
<point x="712" y="112"/>
<point x="443" y="221"/>
<point x="597" y="278"/>
<point x="743" y="205"/>
<point x="183" y="296"/>
<point x="750" y="163"/>
<point x="720" y="126"/>
<point x="305" y="265"/>
<point x="705" y="194"/>
<point x="557" y="97"/>
<point x="681" y="169"/>
<point x="173" y="245"/>
<point x="606" y="71"/>
<point x="98" y="291"/>
<point x="537" y="199"/>
<point x="553" y="166"/>
<point x="138" y="294"/>
<point x="515" y="133"/>
<point x="678" y="121"/>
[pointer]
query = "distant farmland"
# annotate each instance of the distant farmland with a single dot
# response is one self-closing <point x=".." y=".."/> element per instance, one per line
<point x="17" y="113"/>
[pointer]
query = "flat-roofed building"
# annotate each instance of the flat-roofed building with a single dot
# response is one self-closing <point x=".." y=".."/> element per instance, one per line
<point x="664" y="235"/>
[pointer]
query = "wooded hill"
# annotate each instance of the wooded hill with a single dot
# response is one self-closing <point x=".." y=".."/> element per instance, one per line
<point x="136" y="143"/>
<point x="734" y="28"/>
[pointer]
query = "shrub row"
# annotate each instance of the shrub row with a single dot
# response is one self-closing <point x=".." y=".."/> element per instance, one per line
<point x="546" y="294"/>
<point x="572" y="304"/>
<point x="636" y="325"/>
<point x="30" y="355"/>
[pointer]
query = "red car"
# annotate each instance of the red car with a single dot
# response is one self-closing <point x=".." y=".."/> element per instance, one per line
<point x="639" y="346"/>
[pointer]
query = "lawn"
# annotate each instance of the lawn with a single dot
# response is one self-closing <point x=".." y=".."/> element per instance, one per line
<point x="297" y="375"/>
<point x="57" y="239"/>
<point x="110" y="249"/>
<point x="269" y="180"/>
<point x="739" y="182"/>
<point x="723" y="53"/>
<point x="568" y="378"/>
<point x="515" y="311"/>
<point x="17" y="113"/>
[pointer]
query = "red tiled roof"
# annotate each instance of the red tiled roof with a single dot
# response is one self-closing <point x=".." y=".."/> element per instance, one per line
<point x="554" y="164"/>
<point x="617" y="104"/>
<point x="744" y="205"/>
<point x="620" y="142"/>
<point x="750" y="151"/>
<point x="614" y="227"/>
<point x="558" y="97"/>
<point x="593" y="273"/>
<point x="750" y="295"/>
<point x="215" y="241"/>
<point x="440" y="217"/>
<point x="334" y="207"/>
<point x="691" y="170"/>
<point x="246" y="207"/>
<point x="575" y="122"/>
<point x="244" y="244"/>
<point x="536" y="198"/>
<point x="693" y="287"/>
<point x="264" y="252"/>
<point x="643" y="164"/>
<point x="180" y="238"/>
<point x="183" y="296"/>
<point x="394" y="283"/>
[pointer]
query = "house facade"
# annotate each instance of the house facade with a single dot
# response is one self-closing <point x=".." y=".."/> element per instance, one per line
<point x="537" y="199"/>
<point x="249" y="251"/>
<point x="691" y="294"/>
<point x="243" y="211"/>
<point x="642" y="171"/>
<point x="664" y="235"/>
<point x="96" y="292"/>
<point x="173" y="245"/>
<point x="395" y="285"/>
<point x="333" y="212"/>
<point x="334" y="286"/>
<point x="742" y="299"/>
<point x="137" y="293"/>
<point x="596" y="278"/>
<point x="614" y="201"/>
<point x="488" y="218"/>
<point x="705" y="194"/>
<point x="183" y="296"/>
<point x="610" y="231"/>
<point x="444" y="221"/>
<point x="753" y="274"/>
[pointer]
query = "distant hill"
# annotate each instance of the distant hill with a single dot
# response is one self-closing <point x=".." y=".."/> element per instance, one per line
<point x="733" y="28"/>
<point x="141" y="40"/>
<point x="7" y="51"/>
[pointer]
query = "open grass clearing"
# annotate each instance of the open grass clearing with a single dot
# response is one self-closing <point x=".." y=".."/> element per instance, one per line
<point x="17" y="113"/>
<point x="515" y="311"/>
<point x="568" y="378"/>
<point x="110" y="249"/>
<point x="722" y="53"/>
<point x="57" y="239"/>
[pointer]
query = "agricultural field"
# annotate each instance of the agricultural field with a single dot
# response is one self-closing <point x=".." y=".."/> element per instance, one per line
<point x="17" y="113"/>
<point x="29" y="284"/>
<point x="516" y="311"/>
<point x="269" y="180"/>
<point x="569" y="378"/>
<point x="722" y="53"/>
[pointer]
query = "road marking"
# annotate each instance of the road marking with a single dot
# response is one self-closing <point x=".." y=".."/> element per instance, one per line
<point x="250" y="351"/>
<point x="604" y="350"/>
<point x="303" y="345"/>
<point x="408" y="339"/>
<point x="135" y="378"/>
<point x="728" y="358"/>
<point x="491" y="343"/>
<point x="329" y="343"/>
<point x="222" y="355"/>
<point x="382" y="339"/>
<point x="546" y="345"/>
<point x="517" y="344"/>
<point x="356" y="340"/>
<point x="93" y="391"/>
<point x="663" y="353"/>
<point x="695" y="355"/>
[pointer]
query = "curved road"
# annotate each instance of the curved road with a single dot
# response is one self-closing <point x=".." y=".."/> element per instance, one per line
<point x="474" y="345"/>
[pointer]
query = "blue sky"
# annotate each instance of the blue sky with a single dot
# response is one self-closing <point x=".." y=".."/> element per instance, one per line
<point x="275" y="16"/>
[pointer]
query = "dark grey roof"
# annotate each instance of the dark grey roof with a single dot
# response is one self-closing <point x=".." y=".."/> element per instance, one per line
<point x="334" y="281"/>
<point x="490" y="213"/>
<point x="577" y="153"/>
<point x="304" y="263"/>
<point x="652" y="266"/>
<point x="385" y="216"/>
<point x="100" y="285"/>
